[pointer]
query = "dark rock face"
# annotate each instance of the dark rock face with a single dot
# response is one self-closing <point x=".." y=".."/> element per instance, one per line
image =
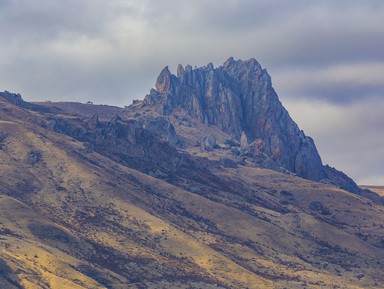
<point x="16" y="99"/>
<point x="134" y="137"/>
<point x="208" y="143"/>
<point x="238" y="98"/>
<point x="341" y="180"/>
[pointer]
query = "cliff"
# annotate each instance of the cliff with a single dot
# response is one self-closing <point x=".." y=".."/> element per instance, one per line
<point x="238" y="98"/>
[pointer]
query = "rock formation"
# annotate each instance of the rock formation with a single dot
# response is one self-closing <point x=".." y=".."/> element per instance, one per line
<point x="232" y="107"/>
<point x="238" y="98"/>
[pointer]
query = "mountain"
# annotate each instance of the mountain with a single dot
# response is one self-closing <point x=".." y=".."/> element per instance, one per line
<point x="238" y="102"/>
<point x="205" y="183"/>
<point x="238" y="99"/>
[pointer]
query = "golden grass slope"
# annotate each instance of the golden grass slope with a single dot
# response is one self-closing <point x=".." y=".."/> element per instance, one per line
<point x="26" y="260"/>
<point x="72" y="218"/>
<point x="68" y="191"/>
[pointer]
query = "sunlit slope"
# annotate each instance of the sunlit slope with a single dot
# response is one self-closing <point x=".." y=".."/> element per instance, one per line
<point x="32" y="251"/>
<point x="63" y="182"/>
<point x="72" y="218"/>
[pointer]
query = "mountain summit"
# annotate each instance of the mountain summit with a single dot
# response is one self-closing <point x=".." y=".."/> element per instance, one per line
<point x="230" y="114"/>
<point x="238" y="99"/>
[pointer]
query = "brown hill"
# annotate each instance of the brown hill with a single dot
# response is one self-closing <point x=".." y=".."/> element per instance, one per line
<point x="91" y="199"/>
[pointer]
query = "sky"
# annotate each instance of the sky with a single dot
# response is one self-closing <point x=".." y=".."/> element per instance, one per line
<point x="326" y="59"/>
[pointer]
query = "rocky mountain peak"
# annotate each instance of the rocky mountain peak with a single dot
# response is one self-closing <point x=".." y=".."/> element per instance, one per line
<point x="238" y="98"/>
<point x="163" y="83"/>
<point x="229" y="96"/>
<point x="252" y="65"/>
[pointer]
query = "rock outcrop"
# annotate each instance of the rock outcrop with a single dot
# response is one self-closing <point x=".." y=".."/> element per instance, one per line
<point x="16" y="99"/>
<point x="232" y="113"/>
<point x="239" y="99"/>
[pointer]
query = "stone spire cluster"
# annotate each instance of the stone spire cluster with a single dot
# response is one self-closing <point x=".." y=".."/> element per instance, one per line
<point x="239" y="99"/>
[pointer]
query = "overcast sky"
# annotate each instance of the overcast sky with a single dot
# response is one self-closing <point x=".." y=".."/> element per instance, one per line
<point x="326" y="58"/>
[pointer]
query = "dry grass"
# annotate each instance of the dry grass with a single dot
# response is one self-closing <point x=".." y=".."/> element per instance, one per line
<point x="72" y="218"/>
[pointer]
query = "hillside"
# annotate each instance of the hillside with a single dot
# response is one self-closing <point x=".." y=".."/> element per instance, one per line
<point x="377" y="189"/>
<point x="102" y="197"/>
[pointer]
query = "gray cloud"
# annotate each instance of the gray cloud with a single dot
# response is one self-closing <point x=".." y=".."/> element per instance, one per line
<point x="325" y="53"/>
<point x="348" y="137"/>
<point x="340" y="84"/>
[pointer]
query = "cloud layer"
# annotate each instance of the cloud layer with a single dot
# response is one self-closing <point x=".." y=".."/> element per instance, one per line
<point x="325" y="57"/>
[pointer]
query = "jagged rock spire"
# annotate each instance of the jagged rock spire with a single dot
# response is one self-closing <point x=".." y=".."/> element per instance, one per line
<point x="163" y="83"/>
<point x="238" y="97"/>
